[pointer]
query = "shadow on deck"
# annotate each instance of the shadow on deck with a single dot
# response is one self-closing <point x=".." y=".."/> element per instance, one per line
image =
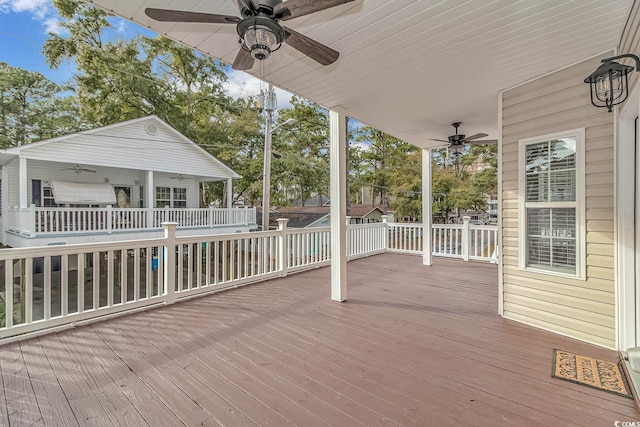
<point x="414" y="345"/>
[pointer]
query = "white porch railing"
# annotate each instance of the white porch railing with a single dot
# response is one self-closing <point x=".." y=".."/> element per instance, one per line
<point x="464" y="241"/>
<point x="34" y="221"/>
<point x="46" y="287"/>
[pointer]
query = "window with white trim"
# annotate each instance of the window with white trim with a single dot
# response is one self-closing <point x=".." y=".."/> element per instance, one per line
<point x="47" y="196"/>
<point x="552" y="203"/>
<point x="175" y="197"/>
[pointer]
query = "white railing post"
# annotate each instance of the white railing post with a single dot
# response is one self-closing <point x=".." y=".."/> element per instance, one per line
<point x="466" y="237"/>
<point x="385" y="235"/>
<point x="151" y="219"/>
<point x="32" y="220"/>
<point x="348" y="233"/>
<point x="109" y="218"/>
<point x="169" y="257"/>
<point x="211" y="221"/>
<point x="283" y="251"/>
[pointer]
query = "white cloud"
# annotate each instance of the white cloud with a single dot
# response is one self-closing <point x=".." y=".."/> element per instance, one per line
<point x="41" y="10"/>
<point x="120" y="26"/>
<point x="242" y="85"/>
<point x="52" y="25"/>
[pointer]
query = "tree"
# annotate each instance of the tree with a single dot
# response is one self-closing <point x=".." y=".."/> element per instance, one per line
<point x="382" y="161"/>
<point x="32" y="107"/>
<point x="302" y="170"/>
<point x="119" y="80"/>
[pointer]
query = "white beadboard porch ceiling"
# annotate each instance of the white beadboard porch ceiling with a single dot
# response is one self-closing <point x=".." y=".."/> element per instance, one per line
<point x="412" y="67"/>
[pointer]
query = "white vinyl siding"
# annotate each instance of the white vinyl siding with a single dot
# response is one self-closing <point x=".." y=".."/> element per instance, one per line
<point x="583" y="308"/>
<point x="551" y="181"/>
<point x="127" y="146"/>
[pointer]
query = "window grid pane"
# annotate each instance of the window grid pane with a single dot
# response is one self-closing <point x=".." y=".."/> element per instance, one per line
<point x="551" y="171"/>
<point x="179" y="197"/>
<point x="163" y="197"/>
<point x="552" y="239"/>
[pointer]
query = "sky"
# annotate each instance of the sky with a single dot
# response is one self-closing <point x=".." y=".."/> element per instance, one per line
<point x="24" y="25"/>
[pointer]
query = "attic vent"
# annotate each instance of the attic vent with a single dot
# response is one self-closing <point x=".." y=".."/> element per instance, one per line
<point x="150" y="128"/>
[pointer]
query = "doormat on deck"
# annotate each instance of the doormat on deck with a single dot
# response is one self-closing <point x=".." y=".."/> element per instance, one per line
<point x="595" y="373"/>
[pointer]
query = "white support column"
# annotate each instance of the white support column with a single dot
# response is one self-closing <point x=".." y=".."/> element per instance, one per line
<point x="426" y="206"/>
<point x="22" y="183"/>
<point x="229" y="193"/>
<point x="338" y="211"/>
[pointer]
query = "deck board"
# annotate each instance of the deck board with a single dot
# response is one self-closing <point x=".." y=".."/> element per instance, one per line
<point x="413" y="345"/>
<point x="51" y="400"/>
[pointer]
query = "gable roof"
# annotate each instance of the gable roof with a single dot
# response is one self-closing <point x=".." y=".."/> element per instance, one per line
<point x="359" y="211"/>
<point x="146" y="143"/>
<point x="304" y="216"/>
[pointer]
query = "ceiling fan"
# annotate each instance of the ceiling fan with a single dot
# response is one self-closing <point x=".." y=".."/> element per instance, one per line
<point x="180" y="177"/>
<point x="77" y="169"/>
<point x="259" y="28"/>
<point x="457" y="141"/>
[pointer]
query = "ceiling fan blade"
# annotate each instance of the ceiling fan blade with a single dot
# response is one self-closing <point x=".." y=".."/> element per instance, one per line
<point x="476" y="136"/>
<point x="295" y="8"/>
<point x="484" y="141"/>
<point x="184" y="16"/>
<point x="244" y="61"/>
<point x="313" y="49"/>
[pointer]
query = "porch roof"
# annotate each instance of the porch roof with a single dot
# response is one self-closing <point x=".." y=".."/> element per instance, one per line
<point x="146" y="143"/>
<point x="415" y="345"/>
<point x="411" y="68"/>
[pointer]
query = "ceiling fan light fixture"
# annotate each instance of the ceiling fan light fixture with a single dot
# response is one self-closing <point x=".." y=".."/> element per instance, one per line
<point x="260" y="36"/>
<point x="456" y="149"/>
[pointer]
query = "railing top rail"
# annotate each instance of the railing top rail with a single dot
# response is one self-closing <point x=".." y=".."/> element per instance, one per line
<point x="77" y="248"/>
<point x="103" y="208"/>
<point x="483" y="227"/>
<point x="369" y="225"/>
<point x="307" y="230"/>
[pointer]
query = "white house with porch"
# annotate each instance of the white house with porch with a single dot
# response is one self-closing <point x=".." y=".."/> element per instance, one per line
<point x="117" y="182"/>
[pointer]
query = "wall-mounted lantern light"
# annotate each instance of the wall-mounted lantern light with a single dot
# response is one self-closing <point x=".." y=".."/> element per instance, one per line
<point x="609" y="84"/>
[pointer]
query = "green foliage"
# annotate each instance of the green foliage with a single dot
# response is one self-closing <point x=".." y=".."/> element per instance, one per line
<point x="382" y="164"/>
<point x="302" y="170"/>
<point x="119" y="80"/>
<point x="32" y="107"/>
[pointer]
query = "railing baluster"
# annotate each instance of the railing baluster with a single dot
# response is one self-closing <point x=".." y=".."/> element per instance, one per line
<point x="216" y="263"/>
<point x="64" y="285"/>
<point x="96" y="280"/>
<point x="47" y="286"/>
<point x="27" y="277"/>
<point x="8" y="293"/>
<point x="110" y="280"/>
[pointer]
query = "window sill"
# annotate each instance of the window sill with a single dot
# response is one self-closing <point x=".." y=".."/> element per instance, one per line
<point x="574" y="276"/>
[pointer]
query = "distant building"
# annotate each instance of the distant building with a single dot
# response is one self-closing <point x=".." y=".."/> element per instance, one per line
<point x="318" y="216"/>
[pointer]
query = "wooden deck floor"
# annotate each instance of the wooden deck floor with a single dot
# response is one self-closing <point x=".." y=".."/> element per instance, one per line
<point x="413" y="346"/>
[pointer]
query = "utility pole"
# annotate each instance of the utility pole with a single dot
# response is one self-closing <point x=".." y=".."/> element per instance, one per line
<point x="269" y="106"/>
